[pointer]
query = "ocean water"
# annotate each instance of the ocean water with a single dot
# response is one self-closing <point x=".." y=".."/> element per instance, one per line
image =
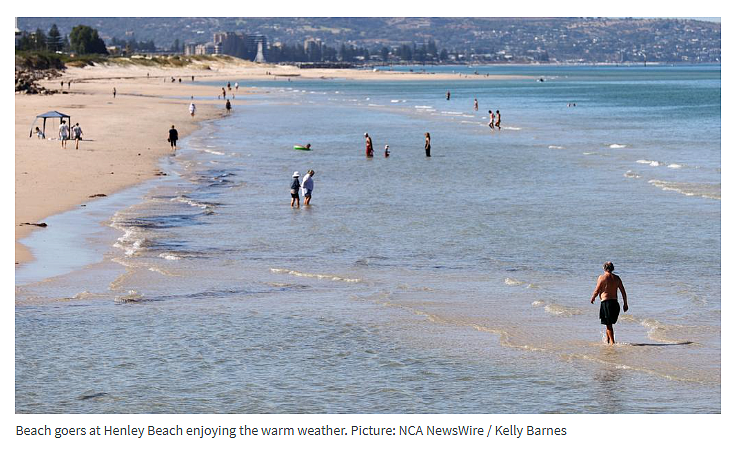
<point x="458" y="283"/>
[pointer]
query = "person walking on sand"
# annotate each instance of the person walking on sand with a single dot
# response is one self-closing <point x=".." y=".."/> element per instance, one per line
<point x="63" y="133"/>
<point x="77" y="134"/>
<point x="114" y="92"/>
<point x="498" y="121"/>
<point x="172" y="137"/>
<point x="475" y="105"/>
<point x="427" y="144"/>
<point x="368" y="146"/>
<point x="295" y="186"/>
<point x="192" y="109"/>
<point x="307" y="184"/>
<point x="607" y="286"/>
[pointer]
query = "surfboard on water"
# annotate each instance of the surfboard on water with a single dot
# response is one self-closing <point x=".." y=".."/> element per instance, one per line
<point x="301" y="148"/>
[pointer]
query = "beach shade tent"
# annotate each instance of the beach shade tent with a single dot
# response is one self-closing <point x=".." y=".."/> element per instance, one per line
<point x="50" y="115"/>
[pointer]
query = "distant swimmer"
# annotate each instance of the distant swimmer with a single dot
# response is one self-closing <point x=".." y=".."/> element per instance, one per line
<point x="447" y="97"/>
<point x="368" y="146"/>
<point x="607" y="286"/>
<point x="295" y="186"/>
<point x="427" y="144"/>
<point x="172" y="137"/>
<point x="386" y="151"/>
<point x="498" y="121"/>
<point x="491" y="120"/>
<point x="192" y="109"/>
<point x="475" y="105"/>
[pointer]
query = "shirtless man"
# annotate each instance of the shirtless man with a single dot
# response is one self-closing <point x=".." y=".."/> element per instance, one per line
<point x="607" y="287"/>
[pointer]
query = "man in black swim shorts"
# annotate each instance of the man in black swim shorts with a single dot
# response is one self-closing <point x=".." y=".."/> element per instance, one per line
<point x="607" y="286"/>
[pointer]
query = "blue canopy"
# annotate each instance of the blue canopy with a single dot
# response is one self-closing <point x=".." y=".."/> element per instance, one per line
<point x="48" y="115"/>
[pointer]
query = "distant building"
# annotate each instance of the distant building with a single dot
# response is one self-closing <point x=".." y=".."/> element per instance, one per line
<point x="206" y="49"/>
<point x="190" y="49"/>
<point x="244" y="46"/>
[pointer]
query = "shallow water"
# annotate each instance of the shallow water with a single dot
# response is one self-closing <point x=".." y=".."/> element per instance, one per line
<point x="458" y="283"/>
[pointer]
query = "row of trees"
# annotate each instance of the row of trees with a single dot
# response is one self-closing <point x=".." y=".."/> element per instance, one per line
<point x="81" y="40"/>
<point x="85" y="40"/>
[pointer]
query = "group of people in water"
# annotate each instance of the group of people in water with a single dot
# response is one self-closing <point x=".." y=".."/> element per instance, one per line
<point x="305" y="187"/>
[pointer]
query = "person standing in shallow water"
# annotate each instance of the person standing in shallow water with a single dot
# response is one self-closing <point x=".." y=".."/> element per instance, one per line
<point x="607" y="286"/>
<point x="368" y="146"/>
<point x="295" y="186"/>
<point x="427" y="144"/>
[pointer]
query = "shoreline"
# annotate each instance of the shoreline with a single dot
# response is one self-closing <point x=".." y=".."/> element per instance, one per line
<point x="125" y="136"/>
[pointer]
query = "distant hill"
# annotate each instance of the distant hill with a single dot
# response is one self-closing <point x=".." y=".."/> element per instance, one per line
<point x="587" y="40"/>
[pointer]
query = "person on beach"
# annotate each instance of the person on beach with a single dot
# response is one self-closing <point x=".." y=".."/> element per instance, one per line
<point x="228" y="107"/>
<point x="192" y="78"/>
<point x="386" y="151"/>
<point x="236" y="85"/>
<point x="607" y="286"/>
<point x="172" y="137"/>
<point x="223" y="92"/>
<point x="192" y="109"/>
<point x="491" y="120"/>
<point x="40" y="134"/>
<point x="63" y="133"/>
<point x="475" y="105"/>
<point x="427" y="144"/>
<point x="229" y="86"/>
<point x="114" y="92"/>
<point x="77" y="134"/>
<point x="368" y="146"/>
<point x="295" y="186"/>
<point x="498" y="121"/>
<point x="307" y="185"/>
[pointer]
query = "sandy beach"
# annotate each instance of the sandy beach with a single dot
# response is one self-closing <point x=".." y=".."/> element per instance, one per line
<point x="125" y="136"/>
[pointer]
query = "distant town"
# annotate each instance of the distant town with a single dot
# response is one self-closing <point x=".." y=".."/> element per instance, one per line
<point x="346" y="42"/>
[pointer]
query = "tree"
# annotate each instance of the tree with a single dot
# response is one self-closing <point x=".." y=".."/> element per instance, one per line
<point x="385" y="54"/>
<point x="85" y="40"/>
<point x="54" y="39"/>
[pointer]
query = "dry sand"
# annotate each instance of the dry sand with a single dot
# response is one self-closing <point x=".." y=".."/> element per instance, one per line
<point x="124" y="137"/>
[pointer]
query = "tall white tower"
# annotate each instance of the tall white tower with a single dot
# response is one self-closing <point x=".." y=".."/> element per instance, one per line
<point x="259" y="58"/>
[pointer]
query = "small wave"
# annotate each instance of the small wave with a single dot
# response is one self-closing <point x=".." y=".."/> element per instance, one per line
<point x="658" y="331"/>
<point x="631" y="174"/>
<point x="422" y="107"/>
<point x="161" y="271"/>
<point x="617" y="146"/>
<point x="513" y="282"/>
<point x="457" y="113"/>
<point x="131" y="242"/>
<point x="394" y="101"/>
<point x="675" y="165"/>
<point x="555" y="147"/>
<point x="653" y="163"/>
<point x="188" y="201"/>
<point x="511" y="128"/>
<point x="132" y="297"/>
<point x="533" y="286"/>
<point x="169" y="256"/>
<point x="710" y="191"/>
<point x="589" y="153"/>
<point x="538" y="303"/>
<point x="373" y="104"/>
<point x="210" y="151"/>
<point x="561" y="310"/>
<point x="313" y="275"/>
